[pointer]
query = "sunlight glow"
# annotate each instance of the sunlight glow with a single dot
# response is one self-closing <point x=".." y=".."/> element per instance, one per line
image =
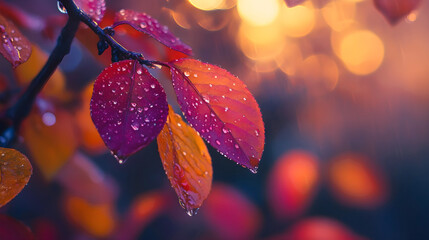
<point x="206" y="5"/>
<point x="257" y="12"/>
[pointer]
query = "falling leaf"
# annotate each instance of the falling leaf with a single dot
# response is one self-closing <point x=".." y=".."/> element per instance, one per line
<point x="89" y="137"/>
<point x="292" y="182"/>
<point x="14" y="46"/>
<point x="230" y="214"/>
<point x="96" y="219"/>
<point x="394" y="10"/>
<point x="143" y="209"/>
<point x="94" y="8"/>
<point x="55" y="88"/>
<point x="84" y="179"/>
<point x="219" y="106"/>
<point x="293" y="3"/>
<point x="50" y="135"/>
<point x="11" y="229"/>
<point x="15" y="171"/>
<point x="356" y="181"/>
<point x="146" y="24"/>
<point x="128" y="107"/>
<point x="186" y="162"/>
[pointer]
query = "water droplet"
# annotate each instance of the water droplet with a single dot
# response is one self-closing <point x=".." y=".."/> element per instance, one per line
<point x="139" y="71"/>
<point x="135" y="126"/>
<point x="236" y="146"/>
<point x="195" y="75"/>
<point x="184" y="153"/>
<point x="152" y="85"/>
<point x="192" y="212"/>
<point x="257" y="133"/>
<point x="143" y="25"/>
<point x="187" y="74"/>
<point x="49" y="119"/>
<point x="165" y="29"/>
<point x="179" y="125"/>
<point x="226" y="109"/>
<point x="206" y="100"/>
<point x="133" y="104"/>
<point x="224" y="130"/>
<point x="217" y="142"/>
<point x="61" y="7"/>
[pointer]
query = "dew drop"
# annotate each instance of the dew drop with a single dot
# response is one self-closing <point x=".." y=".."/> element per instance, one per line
<point x="152" y="85"/>
<point x="226" y="109"/>
<point x="224" y="130"/>
<point x="139" y="71"/>
<point x="195" y="75"/>
<point x="236" y="146"/>
<point x="61" y="7"/>
<point x="192" y="212"/>
<point x="135" y="126"/>
<point x="143" y="25"/>
<point x="217" y="142"/>
<point x="187" y="74"/>
<point x="133" y="104"/>
<point x="257" y="133"/>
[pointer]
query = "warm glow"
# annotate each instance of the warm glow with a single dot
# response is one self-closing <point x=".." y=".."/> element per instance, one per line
<point x="206" y="5"/>
<point x="339" y="15"/>
<point x="257" y="12"/>
<point x="319" y="72"/>
<point x="362" y="52"/>
<point x="298" y="21"/>
<point x="290" y="58"/>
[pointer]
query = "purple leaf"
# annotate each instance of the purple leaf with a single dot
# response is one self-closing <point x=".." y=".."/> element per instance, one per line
<point x="128" y="107"/>
<point x="13" y="45"/>
<point x="219" y="106"/>
<point x="94" y="8"/>
<point x="148" y="25"/>
<point x="293" y="3"/>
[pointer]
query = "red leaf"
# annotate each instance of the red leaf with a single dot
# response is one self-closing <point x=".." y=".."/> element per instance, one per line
<point x="292" y="183"/>
<point x="14" y="46"/>
<point x="146" y="24"/>
<point x="94" y="8"/>
<point x="11" y="229"/>
<point x="186" y="162"/>
<point x="15" y="171"/>
<point x="231" y="214"/>
<point x="293" y="3"/>
<point x="128" y="106"/>
<point x="219" y="106"/>
<point x="394" y="10"/>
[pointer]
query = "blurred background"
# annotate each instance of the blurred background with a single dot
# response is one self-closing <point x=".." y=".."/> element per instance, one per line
<point x="345" y="100"/>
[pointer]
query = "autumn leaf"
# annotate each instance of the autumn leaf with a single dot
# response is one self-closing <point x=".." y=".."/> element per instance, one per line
<point x="128" y="107"/>
<point x="94" y="8"/>
<point x="356" y="182"/>
<point x="148" y="25"/>
<point x="230" y="214"/>
<point x="292" y="182"/>
<point x="89" y="137"/>
<point x="50" y="135"/>
<point x="186" y="162"/>
<point x="219" y="106"/>
<point x="293" y="3"/>
<point x="99" y="220"/>
<point x="11" y="229"/>
<point x="56" y="86"/>
<point x="15" y="171"/>
<point x="394" y="10"/>
<point x="14" y="46"/>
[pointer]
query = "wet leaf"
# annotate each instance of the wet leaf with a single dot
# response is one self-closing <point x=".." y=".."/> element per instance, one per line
<point x="50" y="136"/>
<point x="89" y="137"/>
<point x="143" y="209"/>
<point x="55" y="88"/>
<point x="94" y="8"/>
<point x="186" y="162"/>
<point x="14" y="46"/>
<point x="293" y="3"/>
<point x="15" y="171"/>
<point x="231" y="214"/>
<point x="219" y="106"/>
<point x="356" y="181"/>
<point x="11" y="229"/>
<point x="99" y="220"/>
<point x="84" y="179"/>
<point x="394" y="10"/>
<point x="292" y="183"/>
<point x="128" y="107"/>
<point x="146" y="24"/>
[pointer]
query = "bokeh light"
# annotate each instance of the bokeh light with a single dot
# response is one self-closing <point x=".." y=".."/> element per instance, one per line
<point x="258" y="13"/>
<point x="206" y="5"/>
<point x="297" y="21"/>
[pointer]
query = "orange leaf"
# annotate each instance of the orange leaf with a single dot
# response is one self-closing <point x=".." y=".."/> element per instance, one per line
<point x="186" y="162"/>
<point x="55" y="87"/>
<point x="96" y="219"/>
<point x="90" y="138"/>
<point x="50" y="136"/>
<point x="13" y="46"/>
<point x="15" y="171"/>
<point x="292" y="183"/>
<point x="356" y="182"/>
